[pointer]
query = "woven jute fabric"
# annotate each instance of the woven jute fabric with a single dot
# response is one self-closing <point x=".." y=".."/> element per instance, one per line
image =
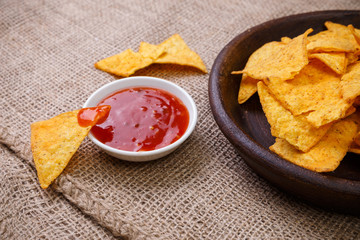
<point x="203" y="190"/>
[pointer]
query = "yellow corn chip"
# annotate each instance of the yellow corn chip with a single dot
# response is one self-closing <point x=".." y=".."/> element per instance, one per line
<point x="314" y="92"/>
<point x="247" y="88"/>
<point x="336" y="61"/>
<point x="294" y="129"/>
<point x="264" y="52"/>
<point x="177" y="52"/>
<point x="278" y="60"/>
<point x="326" y="155"/>
<point x="350" y="83"/>
<point x="355" y="32"/>
<point x="124" y="64"/>
<point x="148" y="50"/>
<point x="53" y="143"/>
<point x="338" y="38"/>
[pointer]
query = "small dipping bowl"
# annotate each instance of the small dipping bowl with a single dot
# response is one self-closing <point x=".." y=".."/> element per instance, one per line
<point x="151" y="82"/>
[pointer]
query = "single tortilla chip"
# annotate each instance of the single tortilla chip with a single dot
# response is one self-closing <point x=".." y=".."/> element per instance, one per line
<point x="177" y="52"/>
<point x="345" y="32"/>
<point x="247" y="88"/>
<point x="148" y="50"/>
<point x="124" y="64"/>
<point x="326" y="155"/>
<point x="264" y="52"/>
<point x="314" y="92"/>
<point x="338" y="38"/>
<point x="350" y="83"/>
<point x="294" y="129"/>
<point x="279" y="60"/>
<point x="335" y="61"/>
<point x="53" y="143"/>
<point x="355" y="32"/>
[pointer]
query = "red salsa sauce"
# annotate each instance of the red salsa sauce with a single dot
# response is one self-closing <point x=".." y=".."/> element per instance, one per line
<point x="142" y="119"/>
<point x="93" y="115"/>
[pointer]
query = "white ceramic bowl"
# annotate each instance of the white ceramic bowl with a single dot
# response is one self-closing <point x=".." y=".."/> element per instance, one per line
<point x="115" y="86"/>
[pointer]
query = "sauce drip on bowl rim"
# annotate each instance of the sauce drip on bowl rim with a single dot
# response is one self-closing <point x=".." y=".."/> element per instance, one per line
<point x="142" y="119"/>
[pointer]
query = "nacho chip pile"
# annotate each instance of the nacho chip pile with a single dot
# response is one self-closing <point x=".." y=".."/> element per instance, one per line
<point x="309" y="88"/>
<point x="172" y="51"/>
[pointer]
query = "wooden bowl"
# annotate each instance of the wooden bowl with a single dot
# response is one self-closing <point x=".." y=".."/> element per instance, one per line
<point x="248" y="130"/>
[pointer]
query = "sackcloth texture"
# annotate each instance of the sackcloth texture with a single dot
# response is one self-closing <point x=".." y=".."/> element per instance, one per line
<point x="203" y="190"/>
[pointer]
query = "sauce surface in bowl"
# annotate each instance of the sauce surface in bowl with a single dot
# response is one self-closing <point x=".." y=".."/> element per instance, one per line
<point x="142" y="119"/>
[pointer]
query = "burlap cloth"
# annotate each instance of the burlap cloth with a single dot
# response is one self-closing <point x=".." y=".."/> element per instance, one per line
<point x="202" y="191"/>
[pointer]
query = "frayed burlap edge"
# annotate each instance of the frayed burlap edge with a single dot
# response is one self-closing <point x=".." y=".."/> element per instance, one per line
<point x="79" y="195"/>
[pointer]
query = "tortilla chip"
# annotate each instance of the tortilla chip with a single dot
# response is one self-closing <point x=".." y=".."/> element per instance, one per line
<point x="148" y="50"/>
<point x="338" y="38"/>
<point x="124" y="64"/>
<point x="328" y="41"/>
<point x="355" y="32"/>
<point x="177" y="52"/>
<point x="264" y="52"/>
<point x="326" y="155"/>
<point x="278" y="60"/>
<point x="350" y="83"/>
<point x="344" y="31"/>
<point x="335" y="61"/>
<point x="247" y="88"/>
<point x="53" y="143"/>
<point x="294" y="129"/>
<point x="314" y="92"/>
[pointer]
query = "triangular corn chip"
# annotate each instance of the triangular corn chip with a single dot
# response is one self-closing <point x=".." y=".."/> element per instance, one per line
<point x="295" y="129"/>
<point x="124" y="64"/>
<point x="350" y="83"/>
<point x="53" y="143"/>
<point x="247" y="88"/>
<point x="355" y="32"/>
<point x="338" y="38"/>
<point x="279" y="60"/>
<point x="336" y="61"/>
<point x="345" y="32"/>
<point x="177" y="52"/>
<point x="326" y="155"/>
